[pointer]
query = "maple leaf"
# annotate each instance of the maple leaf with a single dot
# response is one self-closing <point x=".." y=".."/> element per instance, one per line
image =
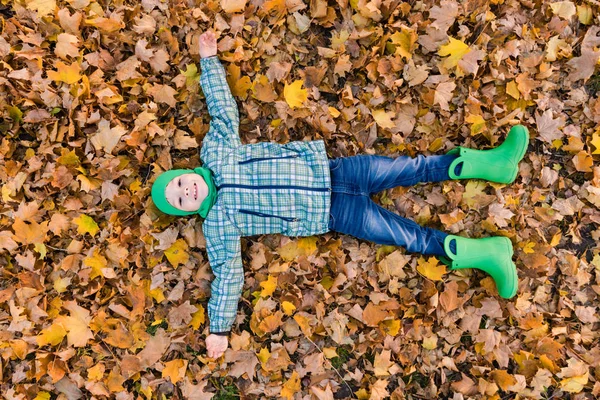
<point x="291" y="386"/>
<point x="86" y="224"/>
<point x="177" y="253"/>
<point x="163" y="94"/>
<point x="564" y="9"/>
<point x="443" y="94"/>
<point x="262" y="89"/>
<point x="175" y="370"/>
<point x="66" y="73"/>
<point x="239" y="84"/>
<point x="404" y="42"/>
<point x="196" y="392"/>
<point x="29" y="232"/>
<point x="233" y="6"/>
<point x="456" y="50"/>
<point x="67" y="45"/>
<point x="294" y="95"/>
<point x="268" y="286"/>
<point x="52" y="335"/>
<point x="430" y="268"/>
<point x="43" y="7"/>
<point x="383" y="118"/>
<point x="107" y="138"/>
<point x="322" y="394"/>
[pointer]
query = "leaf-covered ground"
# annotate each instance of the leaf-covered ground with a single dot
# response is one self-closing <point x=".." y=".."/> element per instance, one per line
<point x="101" y="296"/>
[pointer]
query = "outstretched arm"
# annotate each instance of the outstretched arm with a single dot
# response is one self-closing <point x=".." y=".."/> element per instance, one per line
<point x="222" y="107"/>
<point x="224" y="255"/>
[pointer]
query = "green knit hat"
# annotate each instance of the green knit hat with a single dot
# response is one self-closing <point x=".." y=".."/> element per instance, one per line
<point x="160" y="184"/>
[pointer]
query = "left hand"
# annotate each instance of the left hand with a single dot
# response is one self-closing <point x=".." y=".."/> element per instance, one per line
<point x="207" y="44"/>
<point x="216" y="345"/>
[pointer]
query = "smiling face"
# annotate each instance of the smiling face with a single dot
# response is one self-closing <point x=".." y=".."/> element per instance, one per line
<point x="186" y="192"/>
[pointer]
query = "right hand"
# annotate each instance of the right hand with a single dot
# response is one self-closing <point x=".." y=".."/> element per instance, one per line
<point x="216" y="345"/>
<point x="208" y="44"/>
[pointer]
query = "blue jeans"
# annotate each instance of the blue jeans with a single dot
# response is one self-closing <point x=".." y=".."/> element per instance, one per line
<point x="354" y="179"/>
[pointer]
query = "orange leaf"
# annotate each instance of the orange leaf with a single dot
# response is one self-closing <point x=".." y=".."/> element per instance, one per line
<point x="30" y="232"/>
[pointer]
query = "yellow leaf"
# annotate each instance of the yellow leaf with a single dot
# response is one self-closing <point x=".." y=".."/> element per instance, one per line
<point x="86" y="224"/>
<point x="20" y="348"/>
<point x="302" y="321"/>
<point x="391" y="326"/>
<point x="430" y="269"/>
<point x="233" y="6"/>
<point x="478" y="123"/>
<point x="288" y="308"/>
<point x="96" y="372"/>
<point x="334" y="112"/>
<point x="528" y="248"/>
<point x="304" y="246"/>
<point x="574" y="384"/>
<point x="294" y="95"/>
<point x="43" y="7"/>
<point x="97" y="262"/>
<point x="135" y="185"/>
<point x="291" y="387"/>
<point x="175" y="370"/>
<point x="596" y="142"/>
<point x="114" y="382"/>
<point x="177" y="253"/>
<point x="52" y="335"/>
<point x="268" y="286"/>
<point x="263" y="355"/>
<point x="556" y="239"/>
<point x="239" y="85"/>
<point x="362" y="394"/>
<point x="66" y="73"/>
<point x="404" y="42"/>
<point x="584" y="13"/>
<point x="512" y="90"/>
<point x="88" y="183"/>
<point x="42" y="396"/>
<point x="198" y="318"/>
<point x="456" y="49"/>
<point x="384" y="118"/>
<point x="68" y="158"/>
<point x="61" y="284"/>
<point x="430" y="342"/>
<point x="330" y="352"/>
<point x="503" y="379"/>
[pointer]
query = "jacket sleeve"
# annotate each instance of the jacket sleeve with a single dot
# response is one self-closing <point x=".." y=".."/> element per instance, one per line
<point x="223" y="133"/>
<point x="224" y="256"/>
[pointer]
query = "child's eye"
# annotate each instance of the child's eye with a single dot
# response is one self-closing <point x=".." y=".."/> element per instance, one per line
<point x="180" y="201"/>
<point x="179" y="183"/>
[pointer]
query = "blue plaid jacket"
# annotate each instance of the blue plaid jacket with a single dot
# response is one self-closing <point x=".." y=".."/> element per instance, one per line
<point x="261" y="188"/>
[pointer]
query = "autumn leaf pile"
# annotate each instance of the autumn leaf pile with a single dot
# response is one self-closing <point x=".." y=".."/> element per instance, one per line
<point x="101" y="296"/>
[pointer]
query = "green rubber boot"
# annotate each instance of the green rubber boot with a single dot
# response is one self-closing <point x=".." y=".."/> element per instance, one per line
<point x="492" y="255"/>
<point x="500" y="164"/>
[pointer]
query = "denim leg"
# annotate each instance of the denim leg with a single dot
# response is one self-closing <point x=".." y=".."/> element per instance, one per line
<point x="374" y="173"/>
<point x="361" y="217"/>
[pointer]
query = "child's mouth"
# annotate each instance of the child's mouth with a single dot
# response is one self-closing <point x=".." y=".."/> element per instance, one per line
<point x="195" y="192"/>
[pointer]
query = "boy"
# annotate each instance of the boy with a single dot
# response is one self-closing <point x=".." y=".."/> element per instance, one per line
<point x="294" y="189"/>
